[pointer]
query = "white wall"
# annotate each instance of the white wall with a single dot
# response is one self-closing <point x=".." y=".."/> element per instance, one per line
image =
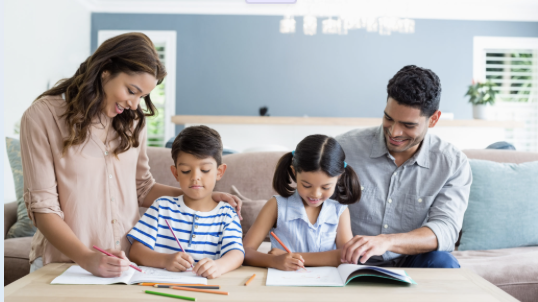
<point x="44" y="41"/>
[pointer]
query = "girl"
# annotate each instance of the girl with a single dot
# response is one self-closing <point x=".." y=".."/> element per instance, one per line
<point x="85" y="167"/>
<point x="312" y="220"/>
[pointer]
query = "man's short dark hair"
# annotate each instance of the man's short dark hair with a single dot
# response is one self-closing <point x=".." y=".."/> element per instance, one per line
<point x="200" y="141"/>
<point x="416" y="87"/>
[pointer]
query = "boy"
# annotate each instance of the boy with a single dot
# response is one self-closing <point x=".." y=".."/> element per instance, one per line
<point x="209" y="231"/>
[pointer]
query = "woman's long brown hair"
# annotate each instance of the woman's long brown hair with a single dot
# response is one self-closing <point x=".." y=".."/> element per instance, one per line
<point x="130" y="53"/>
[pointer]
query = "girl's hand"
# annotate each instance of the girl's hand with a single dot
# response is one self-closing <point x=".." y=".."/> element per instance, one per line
<point x="178" y="262"/>
<point x="288" y="262"/>
<point x="105" y="266"/>
<point x="207" y="268"/>
<point x="276" y="251"/>
<point x="233" y="200"/>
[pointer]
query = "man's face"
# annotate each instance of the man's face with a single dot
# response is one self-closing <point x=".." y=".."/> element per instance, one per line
<point x="404" y="127"/>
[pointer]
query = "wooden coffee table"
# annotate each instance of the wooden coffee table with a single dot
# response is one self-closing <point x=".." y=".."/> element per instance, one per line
<point x="433" y="285"/>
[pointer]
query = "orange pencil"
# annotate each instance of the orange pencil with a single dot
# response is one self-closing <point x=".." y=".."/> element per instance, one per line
<point x="251" y="278"/>
<point x="174" y="284"/>
<point x="282" y="244"/>
<point x="201" y="290"/>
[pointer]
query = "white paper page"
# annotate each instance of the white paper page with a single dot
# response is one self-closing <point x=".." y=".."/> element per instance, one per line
<point x="77" y="275"/>
<point x="156" y="275"/>
<point x="347" y="269"/>
<point x="313" y="276"/>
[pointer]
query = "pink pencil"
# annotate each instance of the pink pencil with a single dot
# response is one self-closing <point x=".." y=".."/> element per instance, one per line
<point x="109" y="254"/>
<point x="170" y="227"/>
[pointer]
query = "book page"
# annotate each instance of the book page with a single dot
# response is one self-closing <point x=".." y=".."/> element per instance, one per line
<point x="313" y="276"/>
<point x="77" y="275"/>
<point x="156" y="275"/>
<point x="346" y="270"/>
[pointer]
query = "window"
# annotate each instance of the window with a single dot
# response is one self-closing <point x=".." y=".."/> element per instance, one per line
<point x="159" y="127"/>
<point x="512" y="65"/>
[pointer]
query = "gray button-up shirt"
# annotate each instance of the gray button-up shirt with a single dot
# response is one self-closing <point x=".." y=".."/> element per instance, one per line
<point x="430" y="189"/>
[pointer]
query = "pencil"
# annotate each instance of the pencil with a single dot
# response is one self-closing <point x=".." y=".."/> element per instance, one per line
<point x="283" y="245"/>
<point x="189" y="286"/>
<point x="111" y="255"/>
<point x="174" y="284"/>
<point x="170" y="295"/>
<point x="201" y="290"/>
<point x="171" y="230"/>
<point x="249" y="280"/>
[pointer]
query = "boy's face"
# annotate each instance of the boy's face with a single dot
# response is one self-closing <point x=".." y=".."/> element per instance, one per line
<point x="197" y="177"/>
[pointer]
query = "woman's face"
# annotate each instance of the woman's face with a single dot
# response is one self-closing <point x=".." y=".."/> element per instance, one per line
<point x="124" y="91"/>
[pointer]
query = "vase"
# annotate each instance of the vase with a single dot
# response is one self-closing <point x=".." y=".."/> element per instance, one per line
<point x="482" y="112"/>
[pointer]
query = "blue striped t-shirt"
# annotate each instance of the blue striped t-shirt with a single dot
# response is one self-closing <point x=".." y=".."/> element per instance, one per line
<point x="202" y="234"/>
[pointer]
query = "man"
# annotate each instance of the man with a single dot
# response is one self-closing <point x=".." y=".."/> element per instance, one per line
<point x="415" y="186"/>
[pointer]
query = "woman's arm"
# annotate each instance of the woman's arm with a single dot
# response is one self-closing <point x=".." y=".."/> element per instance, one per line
<point x="60" y="235"/>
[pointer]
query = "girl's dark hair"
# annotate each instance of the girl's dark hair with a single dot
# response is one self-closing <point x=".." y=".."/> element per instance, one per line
<point x="130" y="53"/>
<point x="318" y="153"/>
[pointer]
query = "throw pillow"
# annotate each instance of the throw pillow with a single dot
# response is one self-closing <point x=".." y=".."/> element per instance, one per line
<point x="249" y="211"/>
<point x="24" y="226"/>
<point x="503" y="206"/>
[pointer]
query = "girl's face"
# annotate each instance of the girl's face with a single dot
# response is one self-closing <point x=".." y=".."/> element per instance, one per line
<point x="315" y="187"/>
<point x="124" y="91"/>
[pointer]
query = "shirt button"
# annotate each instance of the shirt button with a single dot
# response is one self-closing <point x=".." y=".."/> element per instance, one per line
<point x="113" y="220"/>
<point x="362" y="188"/>
<point x="111" y="198"/>
<point x="110" y="176"/>
<point x="117" y="242"/>
<point x="197" y="218"/>
<point x="193" y="236"/>
<point x="386" y="226"/>
<point x="390" y="200"/>
<point x="420" y="200"/>
<point x="195" y="226"/>
<point x="106" y="152"/>
<point x="394" y="173"/>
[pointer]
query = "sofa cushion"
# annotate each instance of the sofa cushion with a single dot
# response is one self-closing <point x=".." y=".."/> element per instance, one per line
<point x="513" y="270"/>
<point x="249" y="210"/>
<point x="503" y="206"/>
<point x="16" y="258"/>
<point x="23" y="227"/>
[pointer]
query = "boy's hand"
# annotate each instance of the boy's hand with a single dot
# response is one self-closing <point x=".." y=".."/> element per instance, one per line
<point x="288" y="262"/>
<point x="276" y="251"/>
<point x="178" y="262"/>
<point x="207" y="268"/>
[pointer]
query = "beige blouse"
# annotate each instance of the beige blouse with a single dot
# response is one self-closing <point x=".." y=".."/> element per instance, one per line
<point x="94" y="192"/>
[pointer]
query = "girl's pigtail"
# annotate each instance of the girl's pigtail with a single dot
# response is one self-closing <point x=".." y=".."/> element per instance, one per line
<point x="348" y="188"/>
<point x="284" y="176"/>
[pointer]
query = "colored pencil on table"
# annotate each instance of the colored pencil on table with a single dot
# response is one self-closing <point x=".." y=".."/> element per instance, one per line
<point x="249" y="280"/>
<point x="189" y="286"/>
<point x="109" y="254"/>
<point x="170" y="295"/>
<point x="283" y="245"/>
<point x="174" y="284"/>
<point x="171" y="230"/>
<point x="201" y="290"/>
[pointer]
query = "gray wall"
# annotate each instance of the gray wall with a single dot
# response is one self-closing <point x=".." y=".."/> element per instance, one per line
<point x="232" y="65"/>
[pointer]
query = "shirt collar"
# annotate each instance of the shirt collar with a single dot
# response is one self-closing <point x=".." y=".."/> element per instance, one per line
<point x="296" y="210"/>
<point x="422" y="156"/>
<point x="379" y="147"/>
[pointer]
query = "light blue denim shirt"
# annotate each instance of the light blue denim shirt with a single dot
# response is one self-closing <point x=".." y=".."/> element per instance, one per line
<point x="431" y="189"/>
<point x="296" y="231"/>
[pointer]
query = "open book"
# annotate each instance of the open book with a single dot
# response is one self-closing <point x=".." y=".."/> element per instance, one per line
<point x="77" y="275"/>
<point x="333" y="276"/>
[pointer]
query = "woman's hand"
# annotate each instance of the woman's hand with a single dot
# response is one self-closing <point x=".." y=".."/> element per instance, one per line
<point x="276" y="251"/>
<point x="105" y="266"/>
<point x="207" y="268"/>
<point x="178" y="262"/>
<point x="288" y="262"/>
<point x="233" y="200"/>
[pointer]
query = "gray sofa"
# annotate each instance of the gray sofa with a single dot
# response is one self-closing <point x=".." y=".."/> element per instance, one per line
<point x="513" y="270"/>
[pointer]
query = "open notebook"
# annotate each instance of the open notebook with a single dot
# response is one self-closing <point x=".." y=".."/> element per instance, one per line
<point x="333" y="276"/>
<point x="77" y="275"/>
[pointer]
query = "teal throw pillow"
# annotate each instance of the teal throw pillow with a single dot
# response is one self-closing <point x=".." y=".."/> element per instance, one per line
<point x="503" y="206"/>
<point x="24" y="226"/>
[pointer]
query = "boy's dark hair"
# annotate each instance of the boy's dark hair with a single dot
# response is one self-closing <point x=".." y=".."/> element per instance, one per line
<point x="416" y="87"/>
<point x="200" y="141"/>
<point x="318" y="153"/>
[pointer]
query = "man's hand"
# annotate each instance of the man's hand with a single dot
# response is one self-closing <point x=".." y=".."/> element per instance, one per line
<point x="364" y="247"/>
<point x="233" y="200"/>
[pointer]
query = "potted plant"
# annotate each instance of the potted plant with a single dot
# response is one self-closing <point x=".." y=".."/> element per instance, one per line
<point x="482" y="96"/>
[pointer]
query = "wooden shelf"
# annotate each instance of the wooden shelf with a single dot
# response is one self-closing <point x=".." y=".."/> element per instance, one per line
<point x="324" y="121"/>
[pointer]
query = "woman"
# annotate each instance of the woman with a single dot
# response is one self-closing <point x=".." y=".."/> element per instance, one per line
<point x="83" y="147"/>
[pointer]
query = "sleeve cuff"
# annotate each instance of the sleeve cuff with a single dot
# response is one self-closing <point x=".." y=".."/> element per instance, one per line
<point x="36" y="203"/>
<point x="443" y="242"/>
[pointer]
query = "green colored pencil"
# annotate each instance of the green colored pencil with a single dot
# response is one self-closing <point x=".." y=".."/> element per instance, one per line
<point x="170" y="295"/>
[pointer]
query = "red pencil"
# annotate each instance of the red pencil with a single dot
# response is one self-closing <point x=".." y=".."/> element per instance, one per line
<point x="171" y="230"/>
<point x="283" y="245"/>
<point x="109" y="254"/>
